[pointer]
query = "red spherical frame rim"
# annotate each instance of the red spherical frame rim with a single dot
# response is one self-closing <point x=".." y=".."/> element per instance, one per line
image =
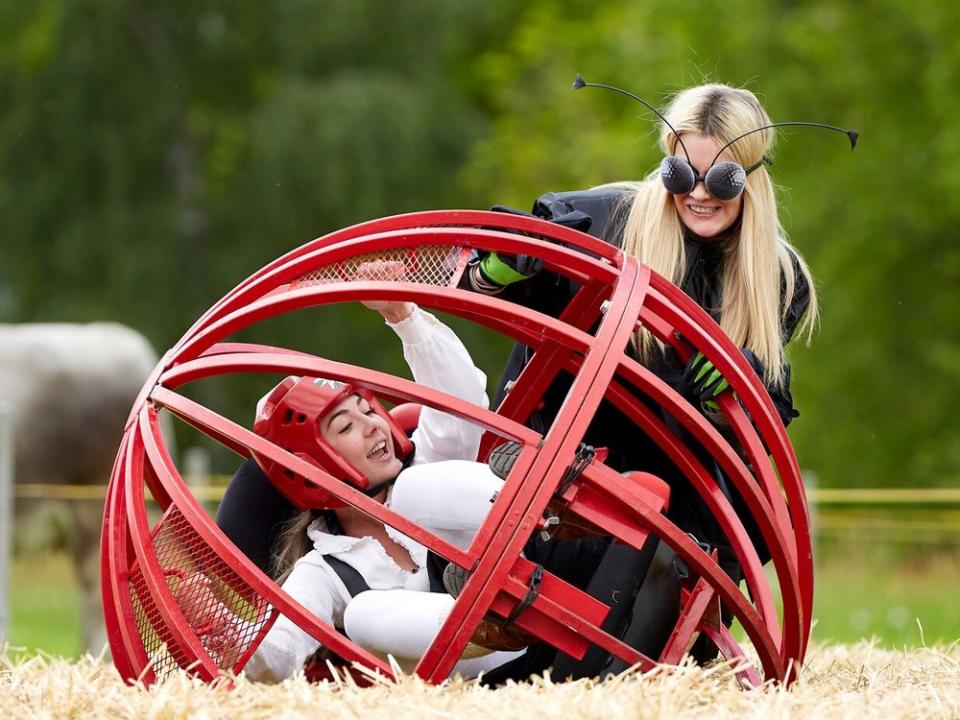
<point x="774" y="492"/>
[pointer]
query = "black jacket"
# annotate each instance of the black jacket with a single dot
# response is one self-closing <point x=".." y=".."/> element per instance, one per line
<point x="630" y="449"/>
<point x="607" y="209"/>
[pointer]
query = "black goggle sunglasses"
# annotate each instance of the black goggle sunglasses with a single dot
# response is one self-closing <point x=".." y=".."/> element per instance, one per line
<point x="725" y="180"/>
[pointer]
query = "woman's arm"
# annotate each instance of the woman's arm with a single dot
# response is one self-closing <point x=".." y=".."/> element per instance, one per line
<point x="440" y="361"/>
<point x="780" y="394"/>
<point x="437" y="359"/>
<point x="794" y="308"/>
<point x="286" y="646"/>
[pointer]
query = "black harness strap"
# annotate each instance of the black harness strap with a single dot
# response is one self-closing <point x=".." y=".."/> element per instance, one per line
<point x="584" y="456"/>
<point x="533" y="592"/>
<point x="350" y="576"/>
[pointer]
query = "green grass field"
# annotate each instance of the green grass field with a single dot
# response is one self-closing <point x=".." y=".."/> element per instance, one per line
<point x="872" y="593"/>
<point x="45" y="605"/>
<point x="906" y="603"/>
<point x="900" y="590"/>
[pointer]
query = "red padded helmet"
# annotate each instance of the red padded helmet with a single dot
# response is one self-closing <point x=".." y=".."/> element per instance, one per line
<point x="289" y="416"/>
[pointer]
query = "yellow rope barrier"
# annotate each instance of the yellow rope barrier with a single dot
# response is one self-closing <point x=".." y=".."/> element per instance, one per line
<point x="43" y="491"/>
<point x="826" y="522"/>
<point x="831" y="521"/>
<point x="817" y="496"/>
<point x="884" y="496"/>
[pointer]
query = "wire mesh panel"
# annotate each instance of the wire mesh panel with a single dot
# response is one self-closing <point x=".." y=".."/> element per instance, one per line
<point x="150" y="626"/>
<point x="224" y="611"/>
<point x="425" y="265"/>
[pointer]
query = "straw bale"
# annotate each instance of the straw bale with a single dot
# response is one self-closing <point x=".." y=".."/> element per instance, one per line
<point x="858" y="681"/>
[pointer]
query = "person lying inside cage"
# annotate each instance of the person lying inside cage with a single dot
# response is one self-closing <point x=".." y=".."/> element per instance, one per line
<point x="382" y="589"/>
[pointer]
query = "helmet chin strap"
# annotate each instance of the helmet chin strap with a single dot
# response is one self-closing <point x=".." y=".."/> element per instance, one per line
<point x="374" y="491"/>
<point x="404" y="464"/>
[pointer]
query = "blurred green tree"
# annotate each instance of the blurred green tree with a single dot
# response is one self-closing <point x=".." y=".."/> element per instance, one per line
<point x="156" y="153"/>
<point x="153" y="154"/>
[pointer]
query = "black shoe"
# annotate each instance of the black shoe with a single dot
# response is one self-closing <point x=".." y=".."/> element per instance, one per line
<point x="454" y="578"/>
<point x="557" y="524"/>
<point x="492" y="633"/>
<point x="503" y="457"/>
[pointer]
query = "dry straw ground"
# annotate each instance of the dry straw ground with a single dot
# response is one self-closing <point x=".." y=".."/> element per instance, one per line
<point x="859" y="681"/>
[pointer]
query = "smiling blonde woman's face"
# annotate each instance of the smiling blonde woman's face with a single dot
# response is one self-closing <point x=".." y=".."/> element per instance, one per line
<point x="700" y="212"/>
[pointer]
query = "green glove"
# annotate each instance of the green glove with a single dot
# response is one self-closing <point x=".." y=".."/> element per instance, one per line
<point x="711" y="406"/>
<point x="703" y="379"/>
<point x="508" y="269"/>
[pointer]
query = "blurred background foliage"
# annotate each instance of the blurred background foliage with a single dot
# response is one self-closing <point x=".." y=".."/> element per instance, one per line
<point x="154" y="154"/>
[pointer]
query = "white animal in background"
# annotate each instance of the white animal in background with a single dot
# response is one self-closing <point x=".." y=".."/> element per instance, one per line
<point x="71" y="388"/>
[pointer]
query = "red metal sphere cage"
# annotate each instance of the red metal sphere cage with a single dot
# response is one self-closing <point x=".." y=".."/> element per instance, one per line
<point x="145" y="564"/>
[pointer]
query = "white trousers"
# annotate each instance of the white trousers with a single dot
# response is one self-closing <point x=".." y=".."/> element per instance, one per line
<point x="450" y="499"/>
<point x="403" y="623"/>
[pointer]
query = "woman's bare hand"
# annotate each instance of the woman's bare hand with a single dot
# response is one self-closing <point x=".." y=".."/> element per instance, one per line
<point x="393" y="311"/>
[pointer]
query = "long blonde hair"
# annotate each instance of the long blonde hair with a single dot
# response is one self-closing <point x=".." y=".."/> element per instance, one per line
<point x="292" y="544"/>
<point x="756" y="259"/>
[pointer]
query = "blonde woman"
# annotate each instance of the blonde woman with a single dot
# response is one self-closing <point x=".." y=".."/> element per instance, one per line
<point x="728" y="252"/>
<point x="706" y="219"/>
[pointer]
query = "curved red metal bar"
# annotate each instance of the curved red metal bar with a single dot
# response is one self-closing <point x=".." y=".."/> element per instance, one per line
<point x="144" y="566"/>
<point x="695" y="325"/>
<point x="426" y="219"/>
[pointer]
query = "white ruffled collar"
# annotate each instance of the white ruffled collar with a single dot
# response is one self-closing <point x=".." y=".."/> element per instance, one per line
<point x="326" y="542"/>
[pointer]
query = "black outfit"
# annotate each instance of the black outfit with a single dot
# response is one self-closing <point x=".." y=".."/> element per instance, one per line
<point x="607" y="209"/>
<point x="642" y="587"/>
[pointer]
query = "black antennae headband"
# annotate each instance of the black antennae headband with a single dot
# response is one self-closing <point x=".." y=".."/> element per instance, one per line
<point x="726" y="180"/>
